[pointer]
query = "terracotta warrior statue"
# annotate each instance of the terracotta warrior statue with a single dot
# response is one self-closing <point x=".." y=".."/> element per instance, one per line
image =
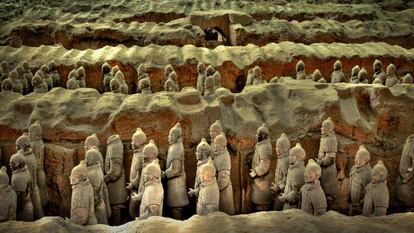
<point x="7" y="85"/>
<point x="139" y="139"/>
<point x="72" y="83"/>
<point x="96" y="179"/>
<point x="222" y="162"/>
<point x="208" y="192"/>
<point x="295" y="178"/>
<point x="328" y="149"/>
<point x="152" y="195"/>
<point x="20" y="75"/>
<point x="106" y="72"/>
<point x="21" y="183"/>
<point x="209" y="86"/>
<point x="391" y="79"/>
<point x="376" y="198"/>
<point x="257" y="76"/>
<point x="337" y="75"/>
<point x="215" y="130"/>
<point x="317" y="77"/>
<point x="313" y="200"/>
<point x="201" y="70"/>
<point x="38" y="148"/>
<point x="48" y="79"/>
<point x="8" y="198"/>
<point x="171" y="85"/>
<point x="167" y="71"/>
<point x="115" y="176"/>
<point x="144" y="84"/>
<point x="28" y="75"/>
<point x="115" y="86"/>
<point x="122" y="84"/>
<point x="360" y="176"/>
<point x="203" y="153"/>
<point x="379" y="74"/>
<point x="81" y="76"/>
<point x="92" y="142"/>
<point x="278" y="187"/>
<point x="405" y="181"/>
<point x="217" y="80"/>
<point x="300" y="70"/>
<point x="363" y="76"/>
<point x="354" y="75"/>
<point x="82" y="209"/>
<point x="54" y="74"/>
<point x="16" y="85"/>
<point x="176" y="196"/>
<point x="261" y="195"/>
<point x="23" y="145"/>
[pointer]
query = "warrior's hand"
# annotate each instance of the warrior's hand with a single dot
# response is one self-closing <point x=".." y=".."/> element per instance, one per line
<point x="191" y="193"/>
<point x="252" y="173"/>
<point x="410" y="169"/>
<point x="130" y="186"/>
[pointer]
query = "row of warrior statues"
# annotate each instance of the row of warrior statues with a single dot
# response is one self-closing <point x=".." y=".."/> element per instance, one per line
<point x="21" y="79"/>
<point x="100" y="191"/>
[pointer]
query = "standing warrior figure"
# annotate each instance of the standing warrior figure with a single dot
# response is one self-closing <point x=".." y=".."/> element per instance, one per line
<point x="115" y="176"/>
<point x="81" y="77"/>
<point x="21" y="183"/>
<point x="215" y="130"/>
<point x="107" y="77"/>
<point x="295" y="178"/>
<point x="354" y="75"/>
<point x="201" y="70"/>
<point x="300" y="70"/>
<point x="28" y="75"/>
<point x="23" y="145"/>
<point x="82" y="209"/>
<point x="122" y="83"/>
<point x="379" y="74"/>
<point x="337" y="75"/>
<point x="222" y="162"/>
<point x="152" y="195"/>
<point x="138" y="142"/>
<point x="208" y="192"/>
<point x="360" y="176"/>
<point x="376" y="198"/>
<point x="144" y="84"/>
<point x="177" y="197"/>
<point x="96" y="178"/>
<point x="391" y="79"/>
<point x="328" y="149"/>
<point x="203" y="154"/>
<point x="313" y="199"/>
<point x="38" y="147"/>
<point x="171" y="84"/>
<point x="405" y="181"/>
<point x="167" y="70"/>
<point x="12" y="83"/>
<point x="92" y="142"/>
<point x="48" y="79"/>
<point x="54" y="74"/>
<point x="278" y="187"/>
<point x="20" y="71"/>
<point x="8" y="198"/>
<point x="257" y="76"/>
<point x="261" y="195"/>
